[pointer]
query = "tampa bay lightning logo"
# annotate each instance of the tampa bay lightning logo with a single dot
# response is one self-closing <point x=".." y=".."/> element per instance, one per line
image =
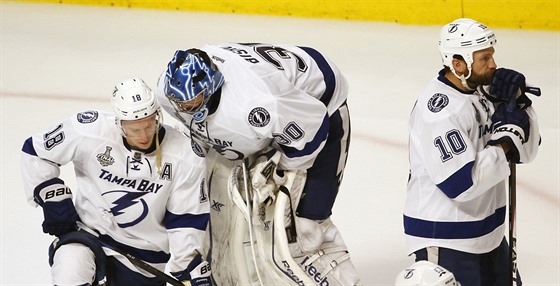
<point x="409" y="273"/>
<point x="197" y="149"/>
<point x="453" y="28"/>
<point x="128" y="208"/>
<point x="259" y="117"/>
<point x="87" y="116"/>
<point x="437" y="102"/>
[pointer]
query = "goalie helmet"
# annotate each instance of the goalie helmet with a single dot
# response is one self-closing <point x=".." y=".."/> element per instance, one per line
<point x="464" y="37"/>
<point x="190" y="80"/>
<point x="134" y="100"/>
<point x="425" y="273"/>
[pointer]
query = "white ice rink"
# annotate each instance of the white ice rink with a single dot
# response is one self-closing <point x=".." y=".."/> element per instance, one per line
<point x="57" y="60"/>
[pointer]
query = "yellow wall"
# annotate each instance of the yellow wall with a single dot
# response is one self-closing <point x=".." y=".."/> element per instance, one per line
<point x="524" y="14"/>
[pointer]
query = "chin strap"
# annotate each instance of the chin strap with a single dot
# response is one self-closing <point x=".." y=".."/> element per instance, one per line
<point x="158" y="153"/>
<point x="463" y="79"/>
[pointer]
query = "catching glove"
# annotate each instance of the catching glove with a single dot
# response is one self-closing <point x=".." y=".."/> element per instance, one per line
<point x="197" y="273"/>
<point x="60" y="215"/>
<point x="512" y="128"/>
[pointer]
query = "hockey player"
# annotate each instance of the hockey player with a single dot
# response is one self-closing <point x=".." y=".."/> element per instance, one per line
<point x="138" y="191"/>
<point x="460" y="142"/>
<point x="242" y="100"/>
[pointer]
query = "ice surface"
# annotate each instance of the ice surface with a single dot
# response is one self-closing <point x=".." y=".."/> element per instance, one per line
<point x="60" y="59"/>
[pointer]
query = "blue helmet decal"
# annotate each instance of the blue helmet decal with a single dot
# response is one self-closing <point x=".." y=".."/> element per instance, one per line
<point x="191" y="78"/>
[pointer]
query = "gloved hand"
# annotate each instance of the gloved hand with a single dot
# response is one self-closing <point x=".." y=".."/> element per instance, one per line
<point x="507" y="85"/>
<point x="265" y="178"/>
<point x="512" y="128"/>
<point x="59" y="213"/>
<point x="197" y="273"/>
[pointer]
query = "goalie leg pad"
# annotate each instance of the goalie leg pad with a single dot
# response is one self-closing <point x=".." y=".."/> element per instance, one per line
<point x="329" y="263"/>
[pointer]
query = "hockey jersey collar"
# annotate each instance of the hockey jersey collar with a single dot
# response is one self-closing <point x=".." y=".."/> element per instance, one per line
<point x="441" y="77"/>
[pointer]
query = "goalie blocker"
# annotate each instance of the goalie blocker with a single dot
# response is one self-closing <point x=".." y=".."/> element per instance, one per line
<point x="262" y="238"/>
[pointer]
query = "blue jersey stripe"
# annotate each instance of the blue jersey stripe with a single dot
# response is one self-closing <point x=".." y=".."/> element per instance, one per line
<point x="328" y="74"/>
<point x="143" y="254"/>
<point x="311" y="146"/>
<point x="28" y="147"/>
<point x="454" y="230"/>
<point x="198" y="221"/>
<point x="459" y="182"/>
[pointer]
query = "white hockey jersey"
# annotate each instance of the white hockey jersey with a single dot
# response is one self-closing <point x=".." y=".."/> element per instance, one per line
<point x="280" y="95"/>
<point x="119" y="192"/>
<point x="456" y="195"/>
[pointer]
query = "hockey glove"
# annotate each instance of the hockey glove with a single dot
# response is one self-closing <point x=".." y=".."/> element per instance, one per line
<point x="265" y="179"/>
<point x="506" y="85"/>
<point x="197" y="272"/>
<point x="513" y="129"/>
<point x="509" y="86"/>
<point x="60" y="215"/>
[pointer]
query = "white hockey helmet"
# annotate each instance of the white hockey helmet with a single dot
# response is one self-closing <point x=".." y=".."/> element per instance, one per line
<point x="464" y="37"/>
<point x="425" y="273"/>
<point x="134" y="100"/>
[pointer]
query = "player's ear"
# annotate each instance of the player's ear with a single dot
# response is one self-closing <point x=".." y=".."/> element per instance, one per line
<point x="459" y="66"/>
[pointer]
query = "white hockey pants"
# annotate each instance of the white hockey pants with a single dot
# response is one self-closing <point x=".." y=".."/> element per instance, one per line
<point x="73" y="264"/>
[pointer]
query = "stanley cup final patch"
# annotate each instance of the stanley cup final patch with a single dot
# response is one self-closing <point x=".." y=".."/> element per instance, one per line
<point x="259" y="117"/>
<point x="437" y="102"/>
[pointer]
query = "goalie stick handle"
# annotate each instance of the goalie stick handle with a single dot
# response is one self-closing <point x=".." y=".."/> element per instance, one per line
<point x="512" y="229"/>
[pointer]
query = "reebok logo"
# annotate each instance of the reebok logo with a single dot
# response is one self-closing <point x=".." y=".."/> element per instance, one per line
<point x="314" y="273"/>
<point x="291" y="273"/>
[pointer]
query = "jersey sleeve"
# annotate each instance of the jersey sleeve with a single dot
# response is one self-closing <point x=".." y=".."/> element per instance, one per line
<point x="44" y="153"/>
<point x="299" y="127"/>
<point x="532" y="144"/>
<point x="187" y="213"/>
<point x="456" y="159"/>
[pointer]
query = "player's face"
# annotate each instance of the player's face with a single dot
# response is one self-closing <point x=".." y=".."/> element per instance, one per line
<point x="193" y="104"/>
<point x="483" y="67"/>
<point x="140" y="133"/>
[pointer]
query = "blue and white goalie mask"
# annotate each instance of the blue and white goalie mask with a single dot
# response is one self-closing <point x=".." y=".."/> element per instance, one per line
<point x="191" y="78"/>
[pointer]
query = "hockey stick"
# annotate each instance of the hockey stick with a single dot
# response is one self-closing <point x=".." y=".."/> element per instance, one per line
<point x="136" y="261"/>
<point x="145" y="266"/>
<point x="512" y="229"/>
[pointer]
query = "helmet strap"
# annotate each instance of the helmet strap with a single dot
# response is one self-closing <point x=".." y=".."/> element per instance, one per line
<point x="158" y="153"/>
<point x="462" y="78"/>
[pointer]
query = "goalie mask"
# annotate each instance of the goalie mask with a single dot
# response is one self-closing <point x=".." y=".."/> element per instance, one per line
<point x="190" y="80"/>
<point x="134" y="100"/>
<point x="464" y="37"/>
<point x="425" y="273"/>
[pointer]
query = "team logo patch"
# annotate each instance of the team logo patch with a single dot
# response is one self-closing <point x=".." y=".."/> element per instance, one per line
<point x="437" y="102"/>
<point x="197" y="149"/>
<point x="105" y="158"/>
<point x="259" y="117"/>
<point x="87" y="116"/>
